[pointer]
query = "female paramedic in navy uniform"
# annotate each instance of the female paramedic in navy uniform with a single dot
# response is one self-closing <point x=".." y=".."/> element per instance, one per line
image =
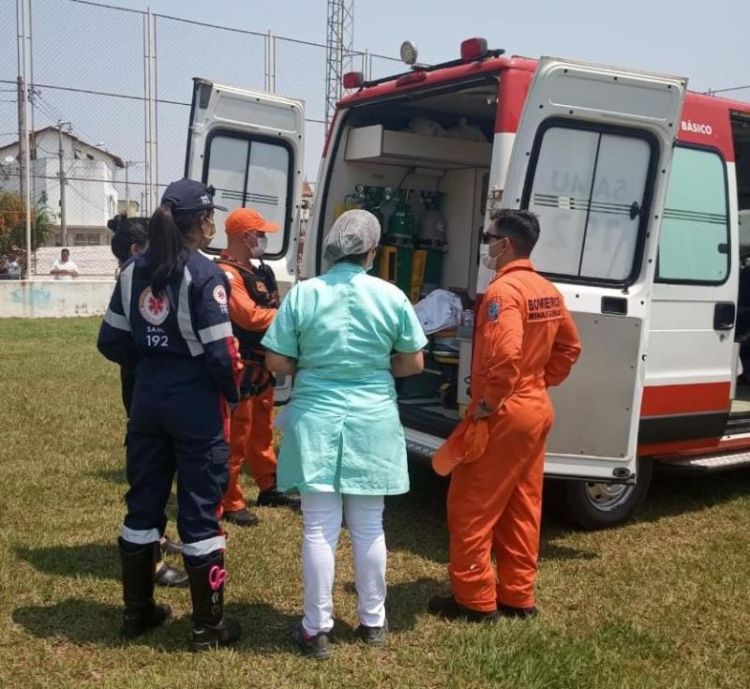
<point x="168" y="316"/>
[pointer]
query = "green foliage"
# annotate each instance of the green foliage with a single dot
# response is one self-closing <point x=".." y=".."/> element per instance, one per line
<point x="13" y="223"/>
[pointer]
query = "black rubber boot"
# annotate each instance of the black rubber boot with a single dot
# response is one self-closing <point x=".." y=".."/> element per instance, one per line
<point x="141" y="613"/>
<point x="210" y="628"/>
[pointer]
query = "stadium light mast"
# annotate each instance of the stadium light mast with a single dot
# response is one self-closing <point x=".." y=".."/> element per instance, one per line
<point x="339" y="42"/>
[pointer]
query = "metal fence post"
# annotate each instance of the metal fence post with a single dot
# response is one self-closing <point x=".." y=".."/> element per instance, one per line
<point x="149" y="89"/>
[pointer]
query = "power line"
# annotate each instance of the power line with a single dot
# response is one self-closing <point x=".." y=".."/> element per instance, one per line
<point x="731" y="88"/>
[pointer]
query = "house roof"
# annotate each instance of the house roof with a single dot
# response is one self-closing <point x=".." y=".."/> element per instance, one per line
<point x="115" y="159"/>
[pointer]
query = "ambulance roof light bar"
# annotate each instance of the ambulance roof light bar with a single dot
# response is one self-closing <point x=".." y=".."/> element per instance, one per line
<point x="353" y="80"/>
<point x="472" y="49"/>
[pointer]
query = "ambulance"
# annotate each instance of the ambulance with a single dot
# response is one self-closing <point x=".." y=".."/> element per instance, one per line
<point x="642" y="189"/>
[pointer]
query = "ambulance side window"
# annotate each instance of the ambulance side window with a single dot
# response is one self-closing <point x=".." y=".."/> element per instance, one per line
<point x="694" y="240"/>
<point x="250" y="172"/>
<point x="590" y="189"/>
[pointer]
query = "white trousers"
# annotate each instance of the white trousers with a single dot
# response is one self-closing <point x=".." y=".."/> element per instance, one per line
<point x="321" y="515"/>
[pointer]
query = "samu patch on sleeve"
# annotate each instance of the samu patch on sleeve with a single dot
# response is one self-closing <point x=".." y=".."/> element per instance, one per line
<point x="493" y="310"/>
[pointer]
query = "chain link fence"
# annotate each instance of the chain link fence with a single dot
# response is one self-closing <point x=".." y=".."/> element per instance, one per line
<point x="120" y="82"/>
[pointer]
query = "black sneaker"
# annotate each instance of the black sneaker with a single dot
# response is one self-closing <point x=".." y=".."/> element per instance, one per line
<point x="275" y="498"/>
<point x="520" y="613"/>
<point x="171" y="576"/>
<point x="317" y="646"/>
<point x="372" y="636"/>
<point x="447" y="608"/>
<point x="243" y="517"/>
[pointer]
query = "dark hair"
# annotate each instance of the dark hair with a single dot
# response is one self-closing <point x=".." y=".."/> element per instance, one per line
<point x="521" y="227"/>
<point x="167" y="234"/>
<point x="127" y="231"/>
<point x="359" y="259"/>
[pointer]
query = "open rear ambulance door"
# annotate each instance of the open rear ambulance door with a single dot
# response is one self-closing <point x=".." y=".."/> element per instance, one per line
<point x="592" y="158"/>
<point x="249" y="146"/>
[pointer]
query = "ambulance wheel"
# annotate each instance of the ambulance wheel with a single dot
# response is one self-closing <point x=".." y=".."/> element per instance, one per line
<point x="594" y="506"/>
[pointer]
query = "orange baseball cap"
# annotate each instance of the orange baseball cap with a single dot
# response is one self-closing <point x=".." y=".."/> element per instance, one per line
<point x="244" y="219"/>
<point x="467" y="443"/>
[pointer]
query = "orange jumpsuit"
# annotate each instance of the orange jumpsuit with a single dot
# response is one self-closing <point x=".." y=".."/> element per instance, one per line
<point x="251" y="431"/>
<point x="525" y="341"/>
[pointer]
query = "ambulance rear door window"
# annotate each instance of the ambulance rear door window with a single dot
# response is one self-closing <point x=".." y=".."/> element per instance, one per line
<point x="591" y="191"/>
<point x="694" y="240"/>
<point x="248" y="172"/>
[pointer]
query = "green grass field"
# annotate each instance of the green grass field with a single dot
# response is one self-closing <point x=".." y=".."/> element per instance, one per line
<point x="663" y="602"/>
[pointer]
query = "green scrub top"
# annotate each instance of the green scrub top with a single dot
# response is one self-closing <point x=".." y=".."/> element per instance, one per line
<point x="342" y="431"/>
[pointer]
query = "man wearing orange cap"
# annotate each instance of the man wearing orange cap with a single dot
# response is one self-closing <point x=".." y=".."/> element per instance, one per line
<point x="525" y="342"/>
<point x="253" y="302"/>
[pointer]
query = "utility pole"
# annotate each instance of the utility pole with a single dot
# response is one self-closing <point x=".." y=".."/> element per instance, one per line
<point x="23" y="144"/>
<point x="60" y="152"/>
<point x="128" y="163"/>
<point x="23" y="25"/>
<point x="339" y="42"/>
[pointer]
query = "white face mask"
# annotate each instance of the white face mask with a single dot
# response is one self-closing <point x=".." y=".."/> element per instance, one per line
<point x="257" y="245"/>
<point x="489" y="262"/>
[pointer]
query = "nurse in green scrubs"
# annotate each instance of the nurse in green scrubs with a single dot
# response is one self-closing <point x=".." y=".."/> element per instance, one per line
<point x="345" y="335"/>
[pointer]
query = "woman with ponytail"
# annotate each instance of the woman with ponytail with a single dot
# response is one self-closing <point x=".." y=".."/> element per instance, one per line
<point x="129" y="238"/>
<point x="168" y="318"/>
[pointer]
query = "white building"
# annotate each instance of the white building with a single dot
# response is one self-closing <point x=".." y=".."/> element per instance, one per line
<point x="90" y="195"/>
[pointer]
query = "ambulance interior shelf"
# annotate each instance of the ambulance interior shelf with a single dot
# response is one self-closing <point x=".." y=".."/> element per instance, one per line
<point x="374" y="143"/>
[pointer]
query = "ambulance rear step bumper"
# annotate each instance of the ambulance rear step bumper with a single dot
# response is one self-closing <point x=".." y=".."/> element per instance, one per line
<point x="709" y="464"/>
<point x="421" y="445"/>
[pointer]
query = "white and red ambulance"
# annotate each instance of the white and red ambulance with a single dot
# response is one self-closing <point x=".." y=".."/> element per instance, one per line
<point x="641" y="188"/>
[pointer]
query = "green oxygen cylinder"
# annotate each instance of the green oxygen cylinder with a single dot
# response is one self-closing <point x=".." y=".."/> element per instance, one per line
<point x="431" y="239"/>
<point x="401" y="236"/>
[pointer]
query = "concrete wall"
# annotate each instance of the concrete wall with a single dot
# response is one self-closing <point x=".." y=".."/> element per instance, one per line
<point x="54" y="298"/>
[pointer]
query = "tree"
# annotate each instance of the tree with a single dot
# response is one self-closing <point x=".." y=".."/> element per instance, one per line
<point x="13" y="225"/>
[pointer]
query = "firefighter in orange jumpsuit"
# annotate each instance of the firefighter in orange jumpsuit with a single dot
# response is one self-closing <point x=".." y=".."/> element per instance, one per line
<point x="253" y="302"/>
<point x="525" y="342"/>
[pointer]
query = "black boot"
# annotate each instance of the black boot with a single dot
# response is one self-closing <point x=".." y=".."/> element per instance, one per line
<point x="447" y="608"/>
<point x="210" y="628"/>
<point x="141" y="613"/>
<point x="274" y="498"/>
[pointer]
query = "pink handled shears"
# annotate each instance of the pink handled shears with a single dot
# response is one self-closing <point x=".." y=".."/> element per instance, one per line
<point x="216" y="577"/>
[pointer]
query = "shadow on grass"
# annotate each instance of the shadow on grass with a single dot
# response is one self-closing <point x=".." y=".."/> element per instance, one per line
<point x="417" y="522"/>
<point x="408" y="600"/>
<point x="116" y="476"/>
<point x="673" y="493"/>
<point x="85" y="622"/>
<point x="91" y="559"/>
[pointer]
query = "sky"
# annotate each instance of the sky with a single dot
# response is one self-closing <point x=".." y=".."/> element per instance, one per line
<point x="705" y="41"/>
<point x="95" y="49"/>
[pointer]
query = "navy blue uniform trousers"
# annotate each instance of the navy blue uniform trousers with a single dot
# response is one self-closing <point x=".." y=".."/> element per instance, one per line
<point x="176" y="425"/>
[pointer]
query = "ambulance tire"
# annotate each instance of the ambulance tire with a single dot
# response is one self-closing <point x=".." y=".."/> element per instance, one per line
<point x="592" y="507"/>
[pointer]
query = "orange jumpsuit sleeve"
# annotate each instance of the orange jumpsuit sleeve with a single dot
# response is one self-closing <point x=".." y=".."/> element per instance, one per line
<point x="243" y="310"/>
<point x="565" y="352"/>
<point x="503" y="342"/>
